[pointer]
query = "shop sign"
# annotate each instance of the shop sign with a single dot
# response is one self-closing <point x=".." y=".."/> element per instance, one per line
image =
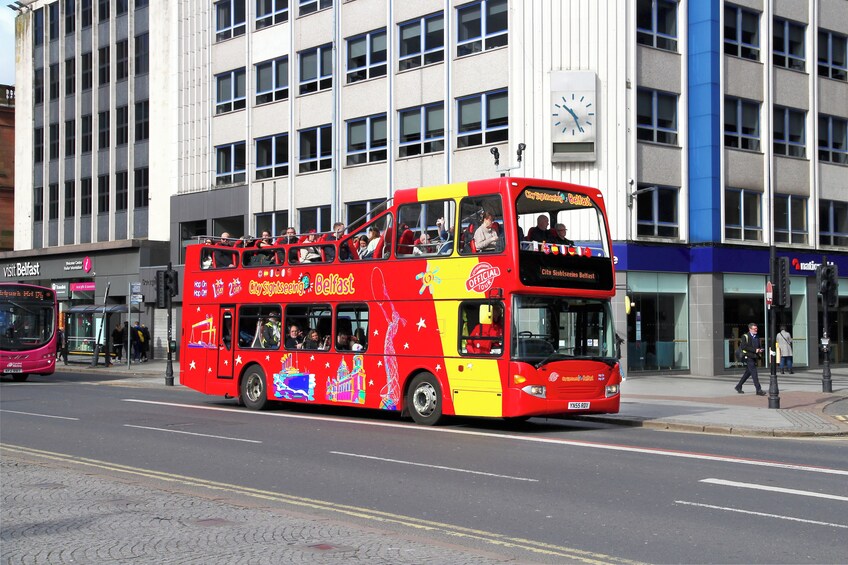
<point x="27" y="269"/>
<point x="61" y="289"/>
<point x="83" y="287"/>
<point x="83" y="264"/>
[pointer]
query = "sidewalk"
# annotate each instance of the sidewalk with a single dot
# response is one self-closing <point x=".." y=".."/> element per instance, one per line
<point x="667" y="401"/>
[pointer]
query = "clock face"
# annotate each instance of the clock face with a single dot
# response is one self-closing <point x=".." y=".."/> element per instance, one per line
<point x="573" y="114"/>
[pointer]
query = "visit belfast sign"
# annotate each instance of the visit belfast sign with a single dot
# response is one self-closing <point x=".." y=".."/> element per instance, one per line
<point x="25" y="269"/>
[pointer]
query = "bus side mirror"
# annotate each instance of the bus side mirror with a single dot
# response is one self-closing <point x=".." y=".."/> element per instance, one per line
<point x="485" y="314"/>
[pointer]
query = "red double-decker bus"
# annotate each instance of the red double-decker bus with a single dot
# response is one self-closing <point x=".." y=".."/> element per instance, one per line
<point x="487" y="298"/>
<point x="28" y="315"/>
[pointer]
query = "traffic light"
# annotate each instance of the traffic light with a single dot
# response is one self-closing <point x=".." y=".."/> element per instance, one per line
<point x="782" y="298"/>
<point x="162" y="296"/>
<point x="832" y="286"/>
<point x="172" y="282"/>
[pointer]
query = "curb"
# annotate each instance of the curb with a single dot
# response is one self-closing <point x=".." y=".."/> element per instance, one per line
<point x="717" y="429"/>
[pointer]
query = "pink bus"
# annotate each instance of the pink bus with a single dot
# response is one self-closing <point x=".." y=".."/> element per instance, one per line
<point x="28" y="315"/>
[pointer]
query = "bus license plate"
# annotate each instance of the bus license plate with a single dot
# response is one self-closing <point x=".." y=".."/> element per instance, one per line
<point x="12" y="370"/>
<point x="578" y="405"/>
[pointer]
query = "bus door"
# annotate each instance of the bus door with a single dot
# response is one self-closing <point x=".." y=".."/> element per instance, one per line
<point x="225" y="343"/>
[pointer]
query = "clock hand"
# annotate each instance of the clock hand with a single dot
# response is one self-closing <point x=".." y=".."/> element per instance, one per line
<point x="573" y="115"/>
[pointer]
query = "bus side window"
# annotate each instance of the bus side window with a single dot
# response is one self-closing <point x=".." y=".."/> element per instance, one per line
<point x="206" y="259"/>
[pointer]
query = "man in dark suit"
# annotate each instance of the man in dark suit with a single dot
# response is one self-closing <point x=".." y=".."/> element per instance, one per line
<point x="751" y="352"/>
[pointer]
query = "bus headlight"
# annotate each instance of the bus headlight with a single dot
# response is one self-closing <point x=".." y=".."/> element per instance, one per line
<point x="612" y="390"/>
<point x="535" y="390"/>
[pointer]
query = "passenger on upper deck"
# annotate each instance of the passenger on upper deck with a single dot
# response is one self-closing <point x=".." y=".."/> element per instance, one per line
<point x="560" y="238"/>
<point x="540" y="232"/>
<point x="309" y="254"/>
<point x="485" y="237"/>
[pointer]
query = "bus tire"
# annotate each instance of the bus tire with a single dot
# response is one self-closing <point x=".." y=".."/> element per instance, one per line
<point x="253" y="389"/>
<point x="424" y="400"/>
<point x="19" y="378"/>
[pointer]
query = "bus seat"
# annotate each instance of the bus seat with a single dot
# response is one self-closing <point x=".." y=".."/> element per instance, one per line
<point x="466" y="239"/>
<point x="405" y="242"/>
<point x="353" y="245"/>
<point x="378" y="249"/>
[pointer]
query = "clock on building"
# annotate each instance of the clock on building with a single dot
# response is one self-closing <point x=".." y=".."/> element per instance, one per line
<point x="574" y="116"/>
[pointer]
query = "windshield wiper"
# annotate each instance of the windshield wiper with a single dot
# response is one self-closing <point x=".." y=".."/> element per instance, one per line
<point x="552" y="357"/>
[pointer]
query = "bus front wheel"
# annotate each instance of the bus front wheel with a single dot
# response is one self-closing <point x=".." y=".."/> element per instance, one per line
<point x="253" y="393"/>
<point x="424" y="400"/>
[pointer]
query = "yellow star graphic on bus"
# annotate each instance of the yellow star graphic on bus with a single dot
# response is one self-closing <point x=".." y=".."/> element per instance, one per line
<point x="428" y="279"/>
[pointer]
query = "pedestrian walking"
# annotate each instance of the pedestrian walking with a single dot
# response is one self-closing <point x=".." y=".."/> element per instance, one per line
<point x="135" y="341"/>
<point x="62" y="345"/>
<point x="751" y="352"/>
<point x="784" y="342"/>
<point x="119" y="338"/>
<point x="145" y="343"/>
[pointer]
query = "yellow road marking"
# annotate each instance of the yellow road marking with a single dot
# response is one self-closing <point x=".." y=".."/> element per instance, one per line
<point x="363" y="513"/>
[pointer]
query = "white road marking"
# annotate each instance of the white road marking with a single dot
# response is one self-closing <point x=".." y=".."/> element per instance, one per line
<point x="191" y="433"/>
<point x="531" y="439"/>
<point x="442" y="467"/>
<point x="763" y="514"/>
<point x="755" y="486"/>
<point x="40" y="415"/>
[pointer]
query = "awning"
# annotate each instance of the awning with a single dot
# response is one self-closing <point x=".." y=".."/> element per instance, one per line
<point x="95" y="309"/>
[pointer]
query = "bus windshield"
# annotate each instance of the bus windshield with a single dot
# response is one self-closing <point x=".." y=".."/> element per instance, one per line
<point x="552" y="328"/>
<point x="24" y="324"/>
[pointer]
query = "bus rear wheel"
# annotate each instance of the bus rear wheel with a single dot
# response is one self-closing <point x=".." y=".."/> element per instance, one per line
<point x="253" y="389"/>
<point x="19" y="378"/>
<point x="424" y="400"/>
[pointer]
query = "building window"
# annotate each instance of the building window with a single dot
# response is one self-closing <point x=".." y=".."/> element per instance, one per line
<point x="788" y="44"/>
<point x="38" y="204"/>
<point x="54" y="81"/>
<point x="70" y="199"/>
<point x="85" y="13"/>
<point x="367" y="140"/>
<point x="833" y="55"/>
<point x="272" y="80"/>
<point x="231" y="91"/>
<point x="102" y="10"/>
<point x="38" y="86"/>
<point x="741" y="124"/>
<point x="70" y="15"/>
<point x="70" y="76"/>
<point x="366" y="56"/>
<point x="103" y="194"/>
<point x="316" y="69"/>
<point x="359" y="213"/>
<point x="656" y="211"/>
<point x="121" y="7"/>
<point x="103" y="65"/>
<point x="54" y="141"/>
<point x="122" y="125"/>
<point x="229" y="19"/>
<point x="53" y="20"/>
<point x="38" y="145"/>
<point x="103" y="130"/>
<point x="422" y="130"/>
<point x="142" y="54"/>
<point x="230" y="163"/>
<point x="482" y="119"/>
<point x="789" y="132"/>
<point x="656" y="116"/>
<point x="38" y="27"/>
<point x="86" y="71"/>
<point x="142" y="187"/>
<point x="122" y="59"/>
<point x="316" y="149"/>
<point x="270" y="12"/>
<point x="140" y="4"/>
<point x="86" y="134"/>
<point x="272" y="156"/>
<point x="317" y="219"/>
<point x="274" y="223"/>
<point x="833" y="223"/>
<point x="310" y="6"/>
<point x="121" y="191"/>
<point x="142" y="120"/>
<point x="742" y="215"/>
<point x="833" y="140"/>
<point x="656" y="23"/>
<point x="790" y="219"/>
<point x="53" y="202"/>
<point x="70" y="137"/>
<point x="741" y="33"/>
<point x="481" y="26"/>
<point x="85" y="196"/>
<point x="421" y="42"/>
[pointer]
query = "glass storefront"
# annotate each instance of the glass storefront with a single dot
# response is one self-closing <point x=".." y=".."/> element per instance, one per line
<point x="745" y="302"/>
<point x="658" y="323"/>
